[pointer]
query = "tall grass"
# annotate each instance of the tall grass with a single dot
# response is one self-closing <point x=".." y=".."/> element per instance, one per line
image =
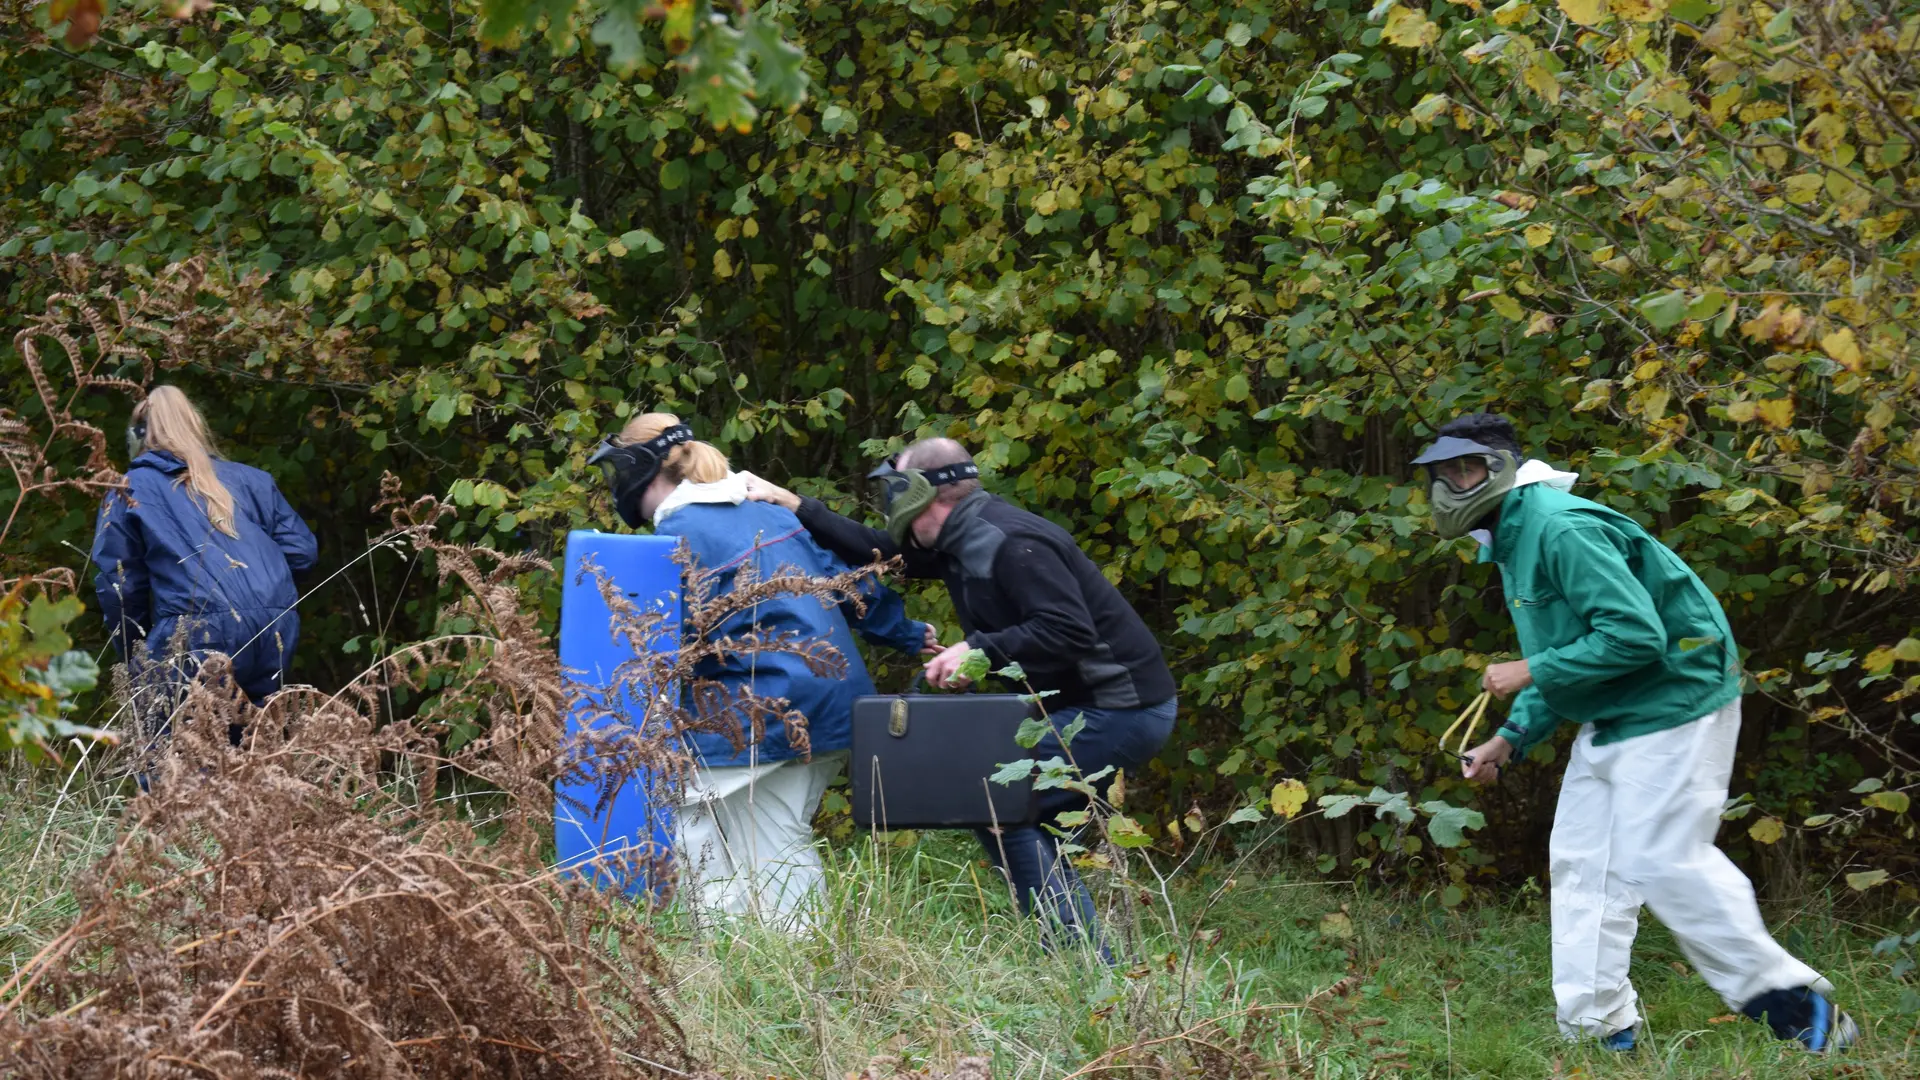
<point x="920" y="958"/>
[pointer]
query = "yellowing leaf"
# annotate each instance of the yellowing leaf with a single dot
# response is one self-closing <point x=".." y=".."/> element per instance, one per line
<point x="1429" y="107"/>
<point x="962" y="140"/>
<point x="1805" y="187"/>
<point x="1046" y="203"/>
<point x="1776" y="413"/>
<point x="1894" y="802"/>
<point x="1585" y="12"/>
<point x="1288" y="797"/>
<point x="1768" y="830"/>
<point x="1127" y="833"/>
<point x="1542" y="323"/>
<point x="1512" y="12"/>
<point x="1740" y="412"/>
<point x="1508" y="306"/>
<point x="1843" y="348"/>
<point x="1866" y="879"/>
<point x="1339" y="926"/>
<point x="1541" y="81"/>
<point x="1538" y="234"/>
<point x="1639" y="10"/>
<point x="1409" y="29"/>
<point x="722" y="263"/>
<point x="1721" y="105"/>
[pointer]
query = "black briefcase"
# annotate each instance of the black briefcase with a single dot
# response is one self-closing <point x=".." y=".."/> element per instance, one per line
<point x="924" y="761"/>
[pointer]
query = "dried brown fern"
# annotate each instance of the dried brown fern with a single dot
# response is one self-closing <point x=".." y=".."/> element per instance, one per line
<point x="312" y="905"/>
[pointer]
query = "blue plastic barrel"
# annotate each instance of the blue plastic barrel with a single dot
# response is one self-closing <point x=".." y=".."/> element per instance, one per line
<point x="643" y="568"/>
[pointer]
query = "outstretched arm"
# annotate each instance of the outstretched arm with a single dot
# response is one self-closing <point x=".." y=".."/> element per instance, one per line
<point x="853" y="543"/>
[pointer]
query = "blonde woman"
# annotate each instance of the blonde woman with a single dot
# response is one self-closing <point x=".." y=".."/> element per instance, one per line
<point x="199" y="549"/>
<point x="745" y="828"/>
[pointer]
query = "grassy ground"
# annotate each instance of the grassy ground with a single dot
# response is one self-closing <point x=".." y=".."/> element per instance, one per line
<point x="920" y="958"/>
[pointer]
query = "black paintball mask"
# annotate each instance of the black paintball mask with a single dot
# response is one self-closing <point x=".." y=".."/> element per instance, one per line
<point x="905" y="494"/>
<point x="630" y="469"/>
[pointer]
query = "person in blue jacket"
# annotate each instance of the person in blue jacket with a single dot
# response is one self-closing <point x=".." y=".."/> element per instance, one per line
<point x="197" y="555"/>
<point x="745" y="823"/>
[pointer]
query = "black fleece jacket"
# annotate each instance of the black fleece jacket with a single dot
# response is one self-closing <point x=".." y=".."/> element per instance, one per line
<point x="1025" y="593"/>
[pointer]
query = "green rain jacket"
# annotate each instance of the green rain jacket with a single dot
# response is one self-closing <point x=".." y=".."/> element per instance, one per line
<point x="1617" y="630"/>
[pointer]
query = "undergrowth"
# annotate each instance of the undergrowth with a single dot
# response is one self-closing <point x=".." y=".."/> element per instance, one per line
<point x="922" y="962"/>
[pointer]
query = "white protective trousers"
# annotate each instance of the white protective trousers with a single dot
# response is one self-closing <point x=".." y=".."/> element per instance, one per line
<point x="1635" y="825"/>
<point x="744" y="840"/>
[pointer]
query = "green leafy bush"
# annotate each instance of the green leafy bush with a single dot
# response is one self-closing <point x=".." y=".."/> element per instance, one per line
<point x="1193" y="279"/>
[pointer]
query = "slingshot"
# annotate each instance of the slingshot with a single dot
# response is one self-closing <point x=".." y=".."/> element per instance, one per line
<point x="1476" y="709"/>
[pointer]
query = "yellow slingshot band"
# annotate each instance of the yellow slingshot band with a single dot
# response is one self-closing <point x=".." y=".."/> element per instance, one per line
<point x="1476" y="709"/>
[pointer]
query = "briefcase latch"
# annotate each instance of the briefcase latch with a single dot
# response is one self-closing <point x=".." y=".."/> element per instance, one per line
<point x="897" y="721"/>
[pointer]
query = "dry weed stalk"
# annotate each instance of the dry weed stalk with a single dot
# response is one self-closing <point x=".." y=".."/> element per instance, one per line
<point x="309" y="905"/>
<point x="118" y="337"/>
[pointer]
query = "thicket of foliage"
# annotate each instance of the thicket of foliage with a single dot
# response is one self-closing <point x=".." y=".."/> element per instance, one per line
<point x="1193" y="279"/>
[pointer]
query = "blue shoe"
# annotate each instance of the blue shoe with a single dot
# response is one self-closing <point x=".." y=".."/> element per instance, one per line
<point x="1831" y="1031"/>
<point x="1805" y="1016"/>
<point x="1621" y="1041"/>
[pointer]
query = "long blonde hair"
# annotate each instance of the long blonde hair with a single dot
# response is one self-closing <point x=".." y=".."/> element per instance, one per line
<point x="699" y="462"/>
<point x="174" y="425"/>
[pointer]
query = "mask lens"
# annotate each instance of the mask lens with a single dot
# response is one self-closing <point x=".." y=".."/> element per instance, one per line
<point x="1461" y="476"/>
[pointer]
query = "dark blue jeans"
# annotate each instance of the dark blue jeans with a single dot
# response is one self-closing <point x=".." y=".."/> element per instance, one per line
<point x="1029" y="855"/>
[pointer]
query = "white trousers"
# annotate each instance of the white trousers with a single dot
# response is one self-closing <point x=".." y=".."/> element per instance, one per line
<point x="1635" y="825"/>
<point x="744" y="839"/>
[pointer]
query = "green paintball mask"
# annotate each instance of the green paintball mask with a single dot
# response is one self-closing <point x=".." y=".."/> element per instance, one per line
<point x="905" y="494"/>
<point x="1457" y="510"/>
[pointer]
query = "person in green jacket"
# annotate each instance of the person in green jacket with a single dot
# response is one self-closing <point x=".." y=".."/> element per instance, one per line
<point x="1619" y="636"/>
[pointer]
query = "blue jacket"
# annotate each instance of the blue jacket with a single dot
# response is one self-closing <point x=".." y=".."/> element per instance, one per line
<point x="161" y="561"/>
<point x="725" y="539"/>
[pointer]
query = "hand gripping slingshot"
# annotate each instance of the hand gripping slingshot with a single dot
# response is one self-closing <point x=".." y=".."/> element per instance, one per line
<point x="1470" y="716"/>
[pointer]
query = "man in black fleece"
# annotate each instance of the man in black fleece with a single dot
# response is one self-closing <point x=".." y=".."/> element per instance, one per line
<point x="1025" y="594"/>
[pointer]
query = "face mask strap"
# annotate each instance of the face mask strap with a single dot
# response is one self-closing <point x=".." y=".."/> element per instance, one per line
<point x="631" y="468"/>
<point x="952" y="474"/>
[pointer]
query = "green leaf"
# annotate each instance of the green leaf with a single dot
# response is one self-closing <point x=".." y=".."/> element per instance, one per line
<point x="673" y="174"/>
<point x="1073" y="729"/>
<point x="1031" y="731"/>
<point x="975" y="665"/>
<point x="1664" y="310"/>
<point x="1448" y="824"/>
<point x="642" y="240"/>
<point x="1014" y="771"/>
<point x="441" y="412"/>
<point x="1334" y="806"/>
